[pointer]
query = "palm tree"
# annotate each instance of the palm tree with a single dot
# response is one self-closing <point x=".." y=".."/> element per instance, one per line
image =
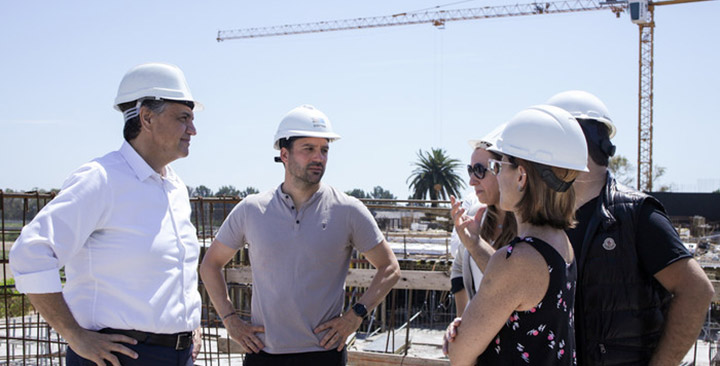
<point x="435" y="176"/>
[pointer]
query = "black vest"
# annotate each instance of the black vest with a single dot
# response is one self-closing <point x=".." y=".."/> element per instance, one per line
<point x="620" y="309"/>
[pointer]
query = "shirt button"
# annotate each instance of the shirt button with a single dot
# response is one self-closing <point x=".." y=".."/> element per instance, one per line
<point x="292" y="207"/>
<point x="297" y="222"/>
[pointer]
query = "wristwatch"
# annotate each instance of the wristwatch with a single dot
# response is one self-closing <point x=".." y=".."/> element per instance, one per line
<point x="360" y="310"/>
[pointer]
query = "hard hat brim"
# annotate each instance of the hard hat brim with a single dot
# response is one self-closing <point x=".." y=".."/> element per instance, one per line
<point x="300" y="134"/>
<point x="489" y="140"/>
<point x="199" y="107"/>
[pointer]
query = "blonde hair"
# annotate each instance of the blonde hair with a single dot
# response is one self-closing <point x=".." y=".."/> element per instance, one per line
<point x="543" y="206"/>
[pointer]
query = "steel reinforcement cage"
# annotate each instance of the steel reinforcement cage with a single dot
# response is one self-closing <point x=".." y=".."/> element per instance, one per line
<point x="421" y="302"/>
<point x="26" y="339"/>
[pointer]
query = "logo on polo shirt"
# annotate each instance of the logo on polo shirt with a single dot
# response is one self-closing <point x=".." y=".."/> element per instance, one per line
<point x="609" y="244"/>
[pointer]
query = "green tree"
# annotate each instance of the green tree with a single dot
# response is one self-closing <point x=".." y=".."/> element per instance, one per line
<point x="659" y="171"/>
<point x="624" y="172"/>
<point x="228" y="191"/>
<point x="380" y="192"/>
<point x="14" y="304"/>
<point x="622" y="169"/>
<point x="248" y="191"/>
<point x="357" y="193"/>
<point x="435" y="177"/>
<point x="203" y="191"/>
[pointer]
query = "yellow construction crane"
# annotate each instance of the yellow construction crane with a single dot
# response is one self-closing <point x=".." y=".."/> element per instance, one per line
<point x="641" y="13"/>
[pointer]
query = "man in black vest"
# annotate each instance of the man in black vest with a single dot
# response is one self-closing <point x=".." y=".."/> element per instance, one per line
<point x="641" y="297"/>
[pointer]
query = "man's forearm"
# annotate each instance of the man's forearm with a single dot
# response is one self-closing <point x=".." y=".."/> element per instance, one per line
<point x="684" y="319"/>
<point x="90" y="345"/>
<point x="55" y="311"/>
<point x="383" y="281"/>
<point x="214" y="283"/>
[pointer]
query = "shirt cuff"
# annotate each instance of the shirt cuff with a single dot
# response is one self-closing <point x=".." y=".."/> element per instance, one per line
<point x="44" y="282"/>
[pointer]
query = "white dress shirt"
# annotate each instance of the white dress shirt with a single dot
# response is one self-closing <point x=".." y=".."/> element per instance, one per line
<point x="123" y="233"/>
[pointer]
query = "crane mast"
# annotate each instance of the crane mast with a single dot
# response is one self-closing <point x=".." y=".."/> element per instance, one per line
<point x="645" y="104"/>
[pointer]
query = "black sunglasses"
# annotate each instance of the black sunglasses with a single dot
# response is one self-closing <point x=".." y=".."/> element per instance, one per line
<point x="478" y="170"/>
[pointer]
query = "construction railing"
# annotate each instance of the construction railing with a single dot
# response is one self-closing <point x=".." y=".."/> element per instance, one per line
<point x="420" y="300"/>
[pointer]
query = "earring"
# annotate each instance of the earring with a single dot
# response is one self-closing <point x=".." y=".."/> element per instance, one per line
<point x="520" y="188"/>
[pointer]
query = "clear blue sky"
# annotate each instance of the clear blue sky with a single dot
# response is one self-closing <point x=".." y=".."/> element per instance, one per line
<point x="389" y="92"/>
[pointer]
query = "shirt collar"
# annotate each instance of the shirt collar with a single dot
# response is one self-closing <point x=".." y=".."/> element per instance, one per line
<point x="288" y="200"/>
<point x="139" y="166"/>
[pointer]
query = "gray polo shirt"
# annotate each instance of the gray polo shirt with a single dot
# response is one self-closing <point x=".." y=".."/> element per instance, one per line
<point x="299" y="260"/>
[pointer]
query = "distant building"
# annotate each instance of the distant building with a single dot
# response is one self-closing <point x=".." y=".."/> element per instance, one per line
<point x="396" y="220"/>
<point x="682" y="207"/>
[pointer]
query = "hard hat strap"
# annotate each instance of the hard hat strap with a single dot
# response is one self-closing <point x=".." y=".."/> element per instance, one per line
<point x="607" y="147"/>
<point x="133" y="112"/>
<point x="552" y="181"/>
<point x="287" y="142"/>
<point x="597" y="134"/>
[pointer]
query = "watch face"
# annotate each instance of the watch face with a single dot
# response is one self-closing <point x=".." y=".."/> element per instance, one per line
<point x="360" y="310"/>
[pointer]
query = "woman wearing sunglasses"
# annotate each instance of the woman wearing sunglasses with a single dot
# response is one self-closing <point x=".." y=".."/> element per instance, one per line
<point x="481" y="234"/>
<point x="523" y="311"/>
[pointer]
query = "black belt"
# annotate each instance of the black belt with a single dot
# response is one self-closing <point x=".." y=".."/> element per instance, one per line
<point x="178" y="341"/>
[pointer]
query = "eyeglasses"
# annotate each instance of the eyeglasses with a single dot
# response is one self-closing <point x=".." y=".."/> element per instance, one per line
<point x="478" y="170"/>
<point x="495" y="166"/>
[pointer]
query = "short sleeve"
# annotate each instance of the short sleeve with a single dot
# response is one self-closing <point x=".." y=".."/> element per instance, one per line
<point x="232" y="230"/>
<point x="365" y="232"/>
<point x="658" y="244"/>
<point x="456" y="285"/>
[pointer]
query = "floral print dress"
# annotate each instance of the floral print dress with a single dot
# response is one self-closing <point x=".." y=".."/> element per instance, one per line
<point x="543" y="335"/>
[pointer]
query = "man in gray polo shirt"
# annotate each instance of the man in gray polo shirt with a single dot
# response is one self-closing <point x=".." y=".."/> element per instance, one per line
<point x="300" y="237"/>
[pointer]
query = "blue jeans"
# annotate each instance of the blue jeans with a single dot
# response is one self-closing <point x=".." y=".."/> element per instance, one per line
<point x="148" y="355"/>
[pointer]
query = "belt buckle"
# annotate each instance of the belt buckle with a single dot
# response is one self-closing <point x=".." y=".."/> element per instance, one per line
<point x="179" y="344"/>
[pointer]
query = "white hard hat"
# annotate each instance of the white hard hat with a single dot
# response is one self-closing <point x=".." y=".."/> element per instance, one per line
<point x="582" y="104"/>
<point x="154" y="80"/>
<point x="489" y="140"/>
<point x="304" y="121"/>
<point x="547" y="135"/>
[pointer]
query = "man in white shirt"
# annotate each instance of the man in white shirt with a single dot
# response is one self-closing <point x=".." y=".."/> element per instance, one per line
<point x="121" y="228"/>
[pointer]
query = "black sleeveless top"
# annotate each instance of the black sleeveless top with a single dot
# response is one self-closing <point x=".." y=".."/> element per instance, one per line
<point x="543" y="335"/>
